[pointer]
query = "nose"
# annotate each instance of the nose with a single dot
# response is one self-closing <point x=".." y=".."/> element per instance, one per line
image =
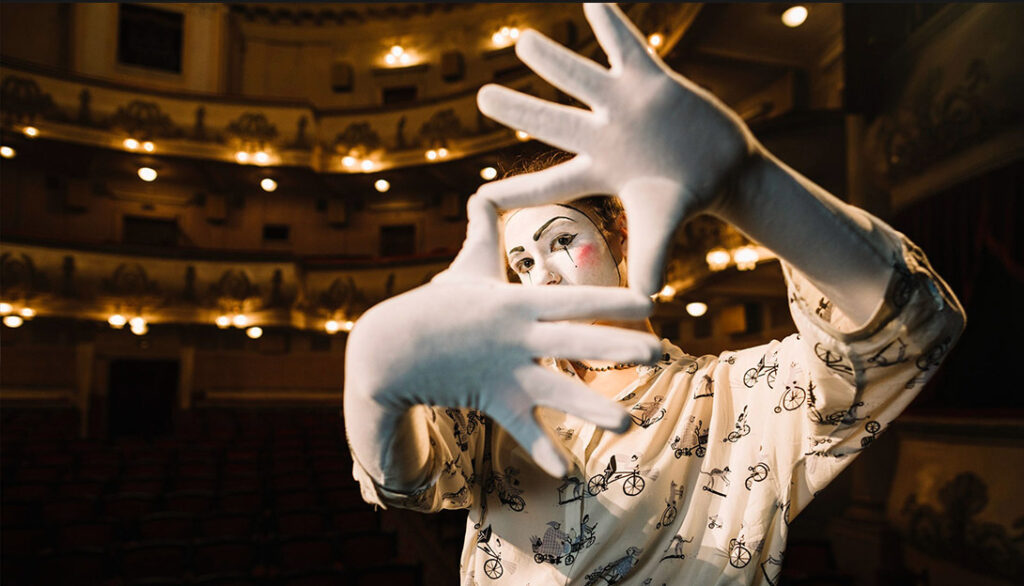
<point x="550" y="277"/>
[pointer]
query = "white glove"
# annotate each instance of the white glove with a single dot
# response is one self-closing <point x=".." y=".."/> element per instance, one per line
<point x="470" y="339"/>
<point x="669" y="150"/>
<point x="653" y="137"/>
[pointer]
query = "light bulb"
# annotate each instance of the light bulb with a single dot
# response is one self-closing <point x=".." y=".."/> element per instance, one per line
<point x="382" y="185"/>
<point x="348" y="161"/>
<point x="6" y="308"/>
<point x="239" y="321"/>
<point x="431" y="154"/>
<point x="242" y="157"/>
<point x="522" y="135"/>
<point x="254" y="332"/>
<point x="696" y="308"/>
<point x="746" y="258"/>
<point x="366" y="165"/>
<point x="794" y="16"/>
<point x="347" y="326"/>
<point x="27" y="312"/>
<point x="488" y="173"/>
<point x="667" y="291"/>
<point x="268" y="184"/>
<point x="131" y="144"/>
<point x="718" y="259"/>
<point x="148" y="146"/>
<point x="31" y="132"/>
<point x="222" y="321"/>
<point x="442" y="152"/>
<point x="117" y="321"/>
<point x="397" y="50"/>
<point x="7" y="152"/>
<point x="13" y="321"/>
<point x="262" y="157"/>
<point x="655" y="40"/>
<point x="147" y="174"/>
<point x="332" y="326"/>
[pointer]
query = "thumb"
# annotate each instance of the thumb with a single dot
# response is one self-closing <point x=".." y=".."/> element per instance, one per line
<point x="654" y="207"/>
<point x="480" y="256"/>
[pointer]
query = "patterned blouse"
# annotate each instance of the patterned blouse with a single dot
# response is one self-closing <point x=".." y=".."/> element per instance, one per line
<point x="723" y="453"/>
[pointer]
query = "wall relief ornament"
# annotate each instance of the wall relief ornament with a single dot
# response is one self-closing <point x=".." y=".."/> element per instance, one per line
<point x="23" y="101"/>
<point x="442" y="127"/>
<point x="144" y="120"/>
<point x="341" y="297"/>
<point x="358" y="139"/>
<point x="252" y="129"/>
<point x="20" y="279"/>
<point x="130" y="280"/>
<point x="234" y="288"/>
<point x="933" y="123"/>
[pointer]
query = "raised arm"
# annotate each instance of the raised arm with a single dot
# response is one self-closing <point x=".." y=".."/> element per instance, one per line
<point x="670" y="150"/>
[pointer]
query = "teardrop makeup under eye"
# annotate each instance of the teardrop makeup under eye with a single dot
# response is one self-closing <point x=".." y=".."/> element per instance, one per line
<point x="563" y="241"/>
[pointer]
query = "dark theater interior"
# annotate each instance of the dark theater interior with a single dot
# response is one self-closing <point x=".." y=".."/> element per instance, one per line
<point x="198" y="201"/>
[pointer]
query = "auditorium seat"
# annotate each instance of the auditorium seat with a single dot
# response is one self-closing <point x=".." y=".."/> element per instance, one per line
<point x="304" y="552"/>
<point x="167" y="525"/>
<point x="156" y="558"/>
<point x="226" y="524"/>
<point x="188" y="501"/>
<point x="231" y="554"/>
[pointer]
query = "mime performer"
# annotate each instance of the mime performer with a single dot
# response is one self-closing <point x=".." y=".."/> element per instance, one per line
<point x="553" y="371"/>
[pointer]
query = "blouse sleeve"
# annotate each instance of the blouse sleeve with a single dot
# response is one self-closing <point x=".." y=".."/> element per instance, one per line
<point x="456" y="442"/>
<point x="839" y="384"/>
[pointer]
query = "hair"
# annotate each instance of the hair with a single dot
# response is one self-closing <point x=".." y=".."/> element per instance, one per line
<point x="605" y="209"/>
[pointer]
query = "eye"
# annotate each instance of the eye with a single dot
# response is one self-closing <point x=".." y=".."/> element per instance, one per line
<point x="563" y="240"/>
<point x="524" y="265"/>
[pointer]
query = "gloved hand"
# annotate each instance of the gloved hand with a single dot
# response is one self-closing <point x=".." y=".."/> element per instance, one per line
<point x="653" y="137"/>
<point x="470" y="339"/>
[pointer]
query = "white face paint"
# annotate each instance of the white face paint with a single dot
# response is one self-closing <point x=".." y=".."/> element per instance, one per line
<point x="558" y="245"/>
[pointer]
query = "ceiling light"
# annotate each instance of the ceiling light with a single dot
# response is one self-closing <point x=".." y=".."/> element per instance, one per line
<point x="404" y="58"/>
<point x="348" y="161"/>
<point x="131" y="144"/>
<point x="718" y="259"/>
<point x="27" y="312"/>
<point x="147" y="173"/>
<point x="442" y="152"/>
<point x="488" y="173"/>
<point x="7" y="152"/>
<point x="242" y="157"/>
<point x="268" y="184"/>
<point x="148" y="146"/>
<point x="655" y="40"/>
<point x="397" y="50"/>
<point x="347" y="326"/>
<point x="746" y="258"/>
<point x="390" y="59"/>
<point x="239" y="321"/>
<point x="332" y="326"/>
<point x="6" y="308"/>
<point x="522" y="135"/>
<point x="222" y="321"/>
<point x="696" y="308"/>
<point x="262" y="157"/>
<point x="117" y="321"/>
<point x="794" y="16"/>
<point x="366" y="165"/>
<point x="513" y="33"/>
<point x="141" y="330"/>
<point x="667" y="292"/>
<point x="431" y="154"/>
<point x="13" y="321"/>
<point x="136" y="322"/>
<point x="254" y="332"/>
<point x="497" y="39"/>
<point x="31" y="132"/>
<point x="382" y="185"/>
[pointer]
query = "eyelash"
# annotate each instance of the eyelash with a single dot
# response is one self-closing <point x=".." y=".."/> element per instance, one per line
<point x="568" y="238"/>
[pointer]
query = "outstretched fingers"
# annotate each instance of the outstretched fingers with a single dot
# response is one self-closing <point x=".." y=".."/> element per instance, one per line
<point x="565" y="127"/>
<point x="621" y="41"/>
<point x="521" y="423"/>
<point x="590" y="342"/>
<point x="561" y="392"/>
<point x="563" y="182"/>
<point x="654" y="208"/>
<point x="572" y="73"/>
<point x="588" y="302"/>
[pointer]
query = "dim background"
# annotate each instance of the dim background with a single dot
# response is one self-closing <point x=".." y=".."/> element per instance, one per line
<point x="198" y="200"/>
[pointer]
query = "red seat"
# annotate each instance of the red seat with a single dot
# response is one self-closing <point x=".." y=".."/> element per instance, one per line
<point x="167" y="525"/>
<point x="223" y="524"/>
<point x="154" y="558"/>
<point x="189" y="501"/>
<point x="303" y="522"/>
<point x="214" y="556"/>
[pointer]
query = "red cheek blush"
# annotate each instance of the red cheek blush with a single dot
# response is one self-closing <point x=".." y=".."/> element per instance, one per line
<point x="585" y="255"/>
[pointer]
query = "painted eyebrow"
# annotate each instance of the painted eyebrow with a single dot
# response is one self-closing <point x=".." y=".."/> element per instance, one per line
<point x="536" y="235"/>
<point x="516" y="249"/>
